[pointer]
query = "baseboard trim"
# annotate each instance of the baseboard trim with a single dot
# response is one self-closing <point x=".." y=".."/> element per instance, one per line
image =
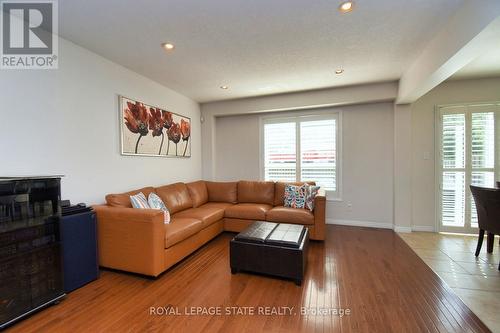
<point x="382" y="225"/>
<point x="354" y="223"/>
<point x="398" y="228"/>
<point x="423" y="228"/>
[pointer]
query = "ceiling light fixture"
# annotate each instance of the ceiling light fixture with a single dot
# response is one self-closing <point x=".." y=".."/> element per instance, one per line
<point x="339" y="71"/>
<point x="168" y="46"/>
<point x="224" y="87"/>
<point x="346" y="6"/>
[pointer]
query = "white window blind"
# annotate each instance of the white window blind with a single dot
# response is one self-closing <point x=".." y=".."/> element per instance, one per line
<point x="303" y="148"/>
<point x="468" y="157"/>
<point x="453" y="178"/>
<point x="317" y="153"/>
<point x="280" y="152"/>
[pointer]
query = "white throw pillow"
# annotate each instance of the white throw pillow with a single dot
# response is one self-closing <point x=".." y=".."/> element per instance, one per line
<point x="139" y="201"/>
<point x="155" y="202"/>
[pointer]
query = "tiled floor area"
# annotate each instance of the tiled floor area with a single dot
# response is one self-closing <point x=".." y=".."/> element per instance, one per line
<point x="475" y="280"/>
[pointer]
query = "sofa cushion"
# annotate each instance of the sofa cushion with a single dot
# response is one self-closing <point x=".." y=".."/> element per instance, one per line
<point x="256" y="192"/>
<point x="175" y="196"/>
<point x="198" y="192"/>
<point x="179" y="229"/>
<point x="290" y="215"/>
<point x="123" y="199"/>
<point x="222" y="191"/>
<point x="207" y="215"/>
<point x="279" y="191"/>
<point x="248" y="211"/>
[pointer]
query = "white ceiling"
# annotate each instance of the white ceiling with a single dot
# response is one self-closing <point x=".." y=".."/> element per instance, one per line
<point x="256" y="47"/>
<point x="487" y="65"/>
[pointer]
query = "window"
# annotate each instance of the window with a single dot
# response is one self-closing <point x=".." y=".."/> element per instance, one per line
<point x="303" y="148"/>
<point x="468" y="155"/>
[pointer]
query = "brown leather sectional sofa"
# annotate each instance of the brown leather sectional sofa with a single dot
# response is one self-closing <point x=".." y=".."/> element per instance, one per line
<point x="137" y="240"/>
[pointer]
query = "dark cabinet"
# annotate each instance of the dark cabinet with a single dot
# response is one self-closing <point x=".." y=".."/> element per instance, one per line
<point x="30" y="247"/>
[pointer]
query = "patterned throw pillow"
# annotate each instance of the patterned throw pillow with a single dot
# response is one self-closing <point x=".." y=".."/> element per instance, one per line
<point x="155" y="202"/>
<point x="312" y="191"/>
<point x="295" y="196"/>
<point x="139" y="201"/>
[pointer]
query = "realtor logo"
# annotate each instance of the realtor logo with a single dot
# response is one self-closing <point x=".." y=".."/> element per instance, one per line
<point x="29" y="34"/>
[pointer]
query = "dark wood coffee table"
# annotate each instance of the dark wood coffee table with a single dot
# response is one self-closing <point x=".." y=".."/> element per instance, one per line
<point x="276" y="249"/>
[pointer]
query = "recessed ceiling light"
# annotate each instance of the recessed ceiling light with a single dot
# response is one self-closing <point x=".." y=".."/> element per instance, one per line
<point x="339" y="71"/>
<point x="168" y="46"/>
<point x="346" y="6"/>
<point x="224" y="87"/>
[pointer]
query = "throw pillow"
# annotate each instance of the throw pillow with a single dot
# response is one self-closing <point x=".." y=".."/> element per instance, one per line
<point x="155" y="202"/>
<point x="139" y="201"/>
<point x="312" y="192"/>
<point x="295" y="196"/>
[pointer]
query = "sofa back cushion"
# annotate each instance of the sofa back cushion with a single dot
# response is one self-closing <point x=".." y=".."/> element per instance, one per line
<point x="222" y="192"/>
<point x="198" y="192"/>
<point x="175" y="196"/>
<point x="123" y="199"/>
<point x="279" y="191"/>
<point x="256" y="192"/>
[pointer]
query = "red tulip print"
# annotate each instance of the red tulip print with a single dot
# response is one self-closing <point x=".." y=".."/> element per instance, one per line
<point x="167" y="119"/>
<point x="156" y="123"/>
<point x="174" y="134"/>
<point x="142" y="119"/>
<point x="136" y="118"/>
<point x="186" y="133"/>
<point x="167" y="123"/>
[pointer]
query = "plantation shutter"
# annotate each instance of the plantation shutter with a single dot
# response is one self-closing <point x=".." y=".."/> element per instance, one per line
<point x="483" y="150"/>
<point x="453" y="181"/>
<point x="280" y="151"/>
<point x="318" y="158"/>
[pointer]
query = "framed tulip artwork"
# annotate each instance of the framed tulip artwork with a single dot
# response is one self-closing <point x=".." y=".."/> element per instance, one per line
<point x="151" y="131"/>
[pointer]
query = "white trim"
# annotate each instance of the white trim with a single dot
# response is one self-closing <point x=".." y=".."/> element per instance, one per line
<point x="398" y="228"/>
<point x="438" y="125"/>
<point x="261" y="148"/>
<point x="354" y="223"/>
<point x="423" y="228"/>
<point x="340" y="160"/>
<point x="381" y="225"/>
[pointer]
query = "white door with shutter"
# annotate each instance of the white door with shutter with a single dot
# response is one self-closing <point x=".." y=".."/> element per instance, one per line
<point x="468" y="154"/>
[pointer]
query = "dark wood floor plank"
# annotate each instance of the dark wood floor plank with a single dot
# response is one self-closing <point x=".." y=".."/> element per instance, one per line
<point x="371" y="272"/>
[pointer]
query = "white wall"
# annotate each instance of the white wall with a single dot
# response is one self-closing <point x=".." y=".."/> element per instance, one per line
<point x="423" y="138"/>
<point x="367" y="162"/>
<point x="66" y="121"/>
<point x="237" y="148"/>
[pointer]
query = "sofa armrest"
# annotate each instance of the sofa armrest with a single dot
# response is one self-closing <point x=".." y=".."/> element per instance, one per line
<point x="131" y="239"/>
<point x="319" y="216"/>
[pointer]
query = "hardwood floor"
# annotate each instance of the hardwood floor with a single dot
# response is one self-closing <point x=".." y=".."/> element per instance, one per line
<point x="370" y="272"/>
